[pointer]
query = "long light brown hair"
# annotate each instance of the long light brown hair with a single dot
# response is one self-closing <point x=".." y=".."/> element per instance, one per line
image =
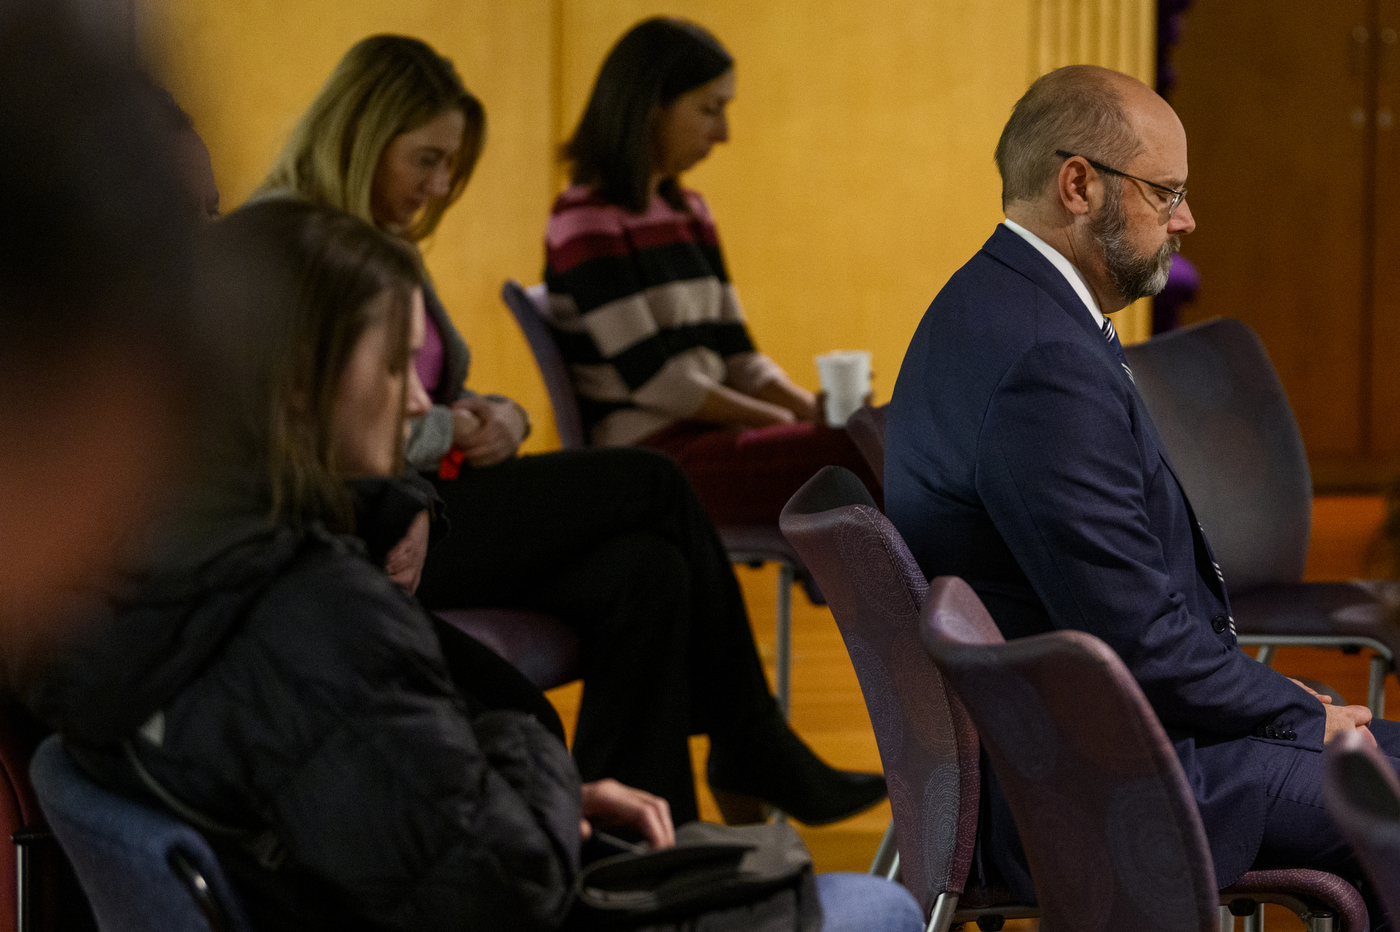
<point x="384" y="86"/>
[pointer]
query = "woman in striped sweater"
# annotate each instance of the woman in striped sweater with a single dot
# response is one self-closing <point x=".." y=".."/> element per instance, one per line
<point x="642" y="303"/>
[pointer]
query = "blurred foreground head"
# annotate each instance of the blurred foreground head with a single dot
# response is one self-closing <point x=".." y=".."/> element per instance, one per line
<point x="95" y="329"/>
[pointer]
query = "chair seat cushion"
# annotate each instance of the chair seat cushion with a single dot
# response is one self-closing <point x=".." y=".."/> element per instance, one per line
<point x="540" y="646"/>
<point x="1339" y="609"/>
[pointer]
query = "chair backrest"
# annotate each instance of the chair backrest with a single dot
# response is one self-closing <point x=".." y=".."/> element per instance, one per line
<point x="1233" y="441"/>
<point x="141" y="868"/>
<point x="1107" y="821"/>
<point x="1363" y="796"/>
<point x="866" y="428"/>
<point x="926" y="740"/>
<point x="530" y="307"/>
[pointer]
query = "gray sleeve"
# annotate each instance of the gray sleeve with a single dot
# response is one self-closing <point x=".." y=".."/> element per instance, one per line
<point x="429" y="438"/>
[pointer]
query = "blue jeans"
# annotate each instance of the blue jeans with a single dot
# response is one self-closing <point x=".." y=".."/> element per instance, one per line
<point x="862" y="903"/>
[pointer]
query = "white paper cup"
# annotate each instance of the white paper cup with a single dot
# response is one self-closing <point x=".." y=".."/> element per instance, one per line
<point x="845" y="378"/>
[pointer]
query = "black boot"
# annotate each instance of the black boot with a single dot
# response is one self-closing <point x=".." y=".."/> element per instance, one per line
<point x="769" y="763"/>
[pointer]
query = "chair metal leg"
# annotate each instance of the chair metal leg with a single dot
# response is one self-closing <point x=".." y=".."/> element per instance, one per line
<point x="1254" y="922"/>
<point x="941" y="916"/>
<point x="1266" y="654"/>
<point x="23" y="907"/>
<point x="26" y="895"/>
<point x="1320" y="922"/>
<point x="787" y="578"/>
<point x="1375" y="689"/>
<point x="1227" y="920"/>
<point x="886" y="862"/>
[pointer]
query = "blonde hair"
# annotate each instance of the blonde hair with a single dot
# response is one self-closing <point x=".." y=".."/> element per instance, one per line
<point x="384" y="86"/>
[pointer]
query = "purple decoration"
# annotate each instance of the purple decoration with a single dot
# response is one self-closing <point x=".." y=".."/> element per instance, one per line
<point x="1183" y="282"/>
<point x="1168" y="34"/>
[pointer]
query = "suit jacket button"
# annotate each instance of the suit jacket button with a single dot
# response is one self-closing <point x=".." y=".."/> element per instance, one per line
<point x="1271" y="732"/>
<point x="1290" y="734"/>
<point x="1220" y="623"/>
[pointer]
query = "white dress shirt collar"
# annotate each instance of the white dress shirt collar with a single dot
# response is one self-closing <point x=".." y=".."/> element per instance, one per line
<point x="1066" y="268"/>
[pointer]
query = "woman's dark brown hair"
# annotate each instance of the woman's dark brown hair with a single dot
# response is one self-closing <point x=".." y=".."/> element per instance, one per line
<point x="657" y="61"/>
<point x="293" y="286"/>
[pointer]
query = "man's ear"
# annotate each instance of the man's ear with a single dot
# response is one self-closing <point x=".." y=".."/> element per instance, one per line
<point x="1072" y="186"/>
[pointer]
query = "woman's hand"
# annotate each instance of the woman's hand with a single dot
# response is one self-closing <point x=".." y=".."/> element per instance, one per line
<point x="464" y="424"/>
<point x="785" y="393"/>
<point x="404" y="564"/>
<point x="500" y="429"/>
<point x="609" y="803"/>
<point x="733" y="409"/>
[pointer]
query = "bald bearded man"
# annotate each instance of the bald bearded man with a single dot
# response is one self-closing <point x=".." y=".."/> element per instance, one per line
<point x="1020" y="457"/>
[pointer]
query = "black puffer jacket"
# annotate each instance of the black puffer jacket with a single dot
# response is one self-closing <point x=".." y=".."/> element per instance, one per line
<point x="275" y="679"/>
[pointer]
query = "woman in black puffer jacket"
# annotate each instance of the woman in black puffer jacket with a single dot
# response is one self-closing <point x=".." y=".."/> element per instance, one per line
<point x="276" y="683"/>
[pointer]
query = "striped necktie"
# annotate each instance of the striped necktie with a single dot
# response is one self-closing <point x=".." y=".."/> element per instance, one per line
<point x="1111" y="336"/>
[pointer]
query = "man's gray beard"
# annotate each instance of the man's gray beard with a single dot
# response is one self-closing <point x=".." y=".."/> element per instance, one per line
<point x="1134" y="276"/>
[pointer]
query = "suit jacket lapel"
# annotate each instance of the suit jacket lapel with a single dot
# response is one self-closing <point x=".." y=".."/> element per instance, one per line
<point x="1020" y="256"/>
<point x="1012" y="251"/>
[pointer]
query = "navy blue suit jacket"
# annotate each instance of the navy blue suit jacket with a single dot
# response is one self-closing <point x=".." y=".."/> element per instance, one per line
<point x="1020" y="457"/>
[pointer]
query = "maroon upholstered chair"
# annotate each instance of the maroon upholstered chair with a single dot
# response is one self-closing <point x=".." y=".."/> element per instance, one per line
<point x="927" y="743"/>
<point x="1101" y="803"/>
<point x="1363" y="797"/>
<point x="1234" y="444"/>
<point x="540" y="646"/>
<point x="751" y="545"/>
<point x="866" y="429"/>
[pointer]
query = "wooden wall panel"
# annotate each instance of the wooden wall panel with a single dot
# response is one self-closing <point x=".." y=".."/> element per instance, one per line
<point x="1274" y="107"/>
<point x="1385" y="256"/>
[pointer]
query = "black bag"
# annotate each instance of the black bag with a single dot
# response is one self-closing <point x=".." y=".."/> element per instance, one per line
<point x="754" y="878"/>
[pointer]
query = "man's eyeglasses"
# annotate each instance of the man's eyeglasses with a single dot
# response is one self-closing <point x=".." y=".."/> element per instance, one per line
<point x="1176" y="196"/>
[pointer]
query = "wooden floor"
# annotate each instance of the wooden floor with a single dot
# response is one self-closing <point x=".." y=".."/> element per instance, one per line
<point x="828" y="712"/>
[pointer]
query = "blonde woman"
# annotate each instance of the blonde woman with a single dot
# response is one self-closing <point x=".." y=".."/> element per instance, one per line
<point x="612" y="541"/>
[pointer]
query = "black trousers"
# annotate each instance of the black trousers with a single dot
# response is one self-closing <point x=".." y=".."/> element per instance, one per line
<point x="615" y="543"/>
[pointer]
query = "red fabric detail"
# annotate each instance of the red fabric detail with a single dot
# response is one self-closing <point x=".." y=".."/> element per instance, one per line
<point x="450" y="467"/>
<point x="661" y="225"/>
<point x="586" y="246"/>
<point x="678" y="228"/>
<point x="747" y="476"/>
